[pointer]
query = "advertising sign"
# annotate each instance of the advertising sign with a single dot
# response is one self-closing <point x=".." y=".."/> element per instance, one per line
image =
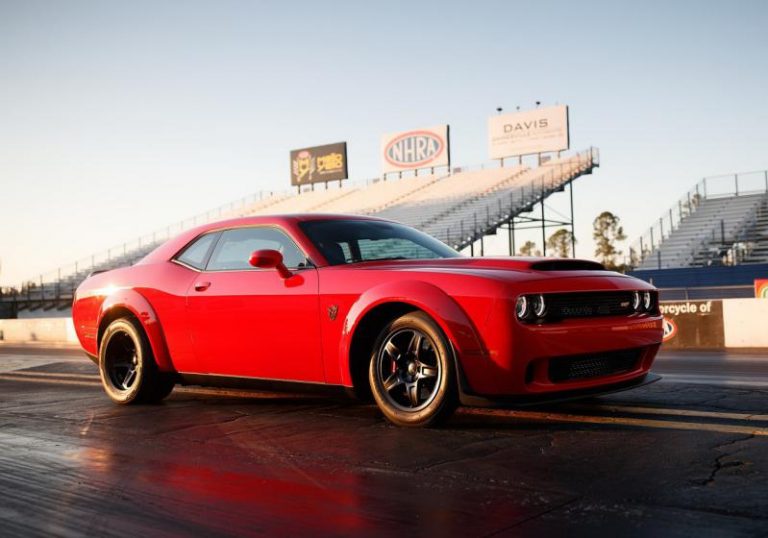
<point x="761" y="288"/>
<point x="524" y="133"/>
<point x="412" y="150"/>
<point x="319" y="164"/>
<point x="693" y="324"/>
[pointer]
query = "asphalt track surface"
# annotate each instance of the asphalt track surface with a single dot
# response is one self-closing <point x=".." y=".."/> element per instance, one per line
<point x="687" y="456"/>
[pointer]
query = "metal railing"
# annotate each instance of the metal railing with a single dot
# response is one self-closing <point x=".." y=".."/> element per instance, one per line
<point x="494" y="214"/>
<point x="722" y="186"/>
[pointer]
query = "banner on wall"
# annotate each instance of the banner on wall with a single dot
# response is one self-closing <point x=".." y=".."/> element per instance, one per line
<point x="693" y="324"/>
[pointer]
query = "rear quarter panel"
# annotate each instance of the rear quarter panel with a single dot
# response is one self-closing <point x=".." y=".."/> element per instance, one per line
<point x="154" y="293"/>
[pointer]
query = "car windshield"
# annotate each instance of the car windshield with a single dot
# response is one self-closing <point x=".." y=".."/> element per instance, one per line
<point x="352" y="241"/>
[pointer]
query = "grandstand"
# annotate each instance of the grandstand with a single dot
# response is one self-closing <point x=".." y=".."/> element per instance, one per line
<point x="458" y="207"/>
<point x="721" y="221"/>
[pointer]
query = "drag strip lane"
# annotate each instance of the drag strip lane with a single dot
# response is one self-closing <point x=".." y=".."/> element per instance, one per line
<point x="591" y="413"/>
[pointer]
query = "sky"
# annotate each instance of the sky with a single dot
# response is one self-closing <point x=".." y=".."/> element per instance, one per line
<point x="119" y="118"/>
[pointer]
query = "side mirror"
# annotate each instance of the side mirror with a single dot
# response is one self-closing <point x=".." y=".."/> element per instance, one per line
<point x="269" y="259"/>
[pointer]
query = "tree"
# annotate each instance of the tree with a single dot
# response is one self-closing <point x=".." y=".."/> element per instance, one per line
<point x="560" y="243"/>
<point x="607" y="231"/>
<point x="528" y="249"/>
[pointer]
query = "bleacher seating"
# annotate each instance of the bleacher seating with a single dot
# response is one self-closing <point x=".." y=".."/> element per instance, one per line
<point x="708" y="233"/>
<point x="473" y="201"/>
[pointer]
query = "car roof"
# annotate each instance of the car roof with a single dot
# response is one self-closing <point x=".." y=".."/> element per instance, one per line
<point x="288" y="218"/>
<point x="286" y="221"/>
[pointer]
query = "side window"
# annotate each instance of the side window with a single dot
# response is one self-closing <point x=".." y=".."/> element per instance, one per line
<point x="195" y="253"/>
<point x="235" y="247"/>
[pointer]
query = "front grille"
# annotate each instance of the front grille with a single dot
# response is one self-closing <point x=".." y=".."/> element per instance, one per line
<point x="595" y="365"/>
<point x="588" y="305"/>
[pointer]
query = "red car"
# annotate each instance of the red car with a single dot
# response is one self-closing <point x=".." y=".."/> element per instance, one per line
<point x="366" y="306"/>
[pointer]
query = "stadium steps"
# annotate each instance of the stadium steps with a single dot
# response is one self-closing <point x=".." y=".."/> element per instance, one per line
<point x="756" y="236"/>
<point x="441" y="196"/>
<point x="378" y="195"/>
<point x="508" y="177"/>
<point x="256" y="206"/>
<point x="306" y="202"/>
<point x="484" y="215"/>
<point x="715" y="220"/>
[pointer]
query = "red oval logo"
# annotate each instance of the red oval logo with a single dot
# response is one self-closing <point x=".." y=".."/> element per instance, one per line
<point x="414" y="149"/>
<point x="670" y="329"/>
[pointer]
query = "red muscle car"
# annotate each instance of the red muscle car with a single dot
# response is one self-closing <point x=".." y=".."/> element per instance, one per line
<point x="366" y="306"/>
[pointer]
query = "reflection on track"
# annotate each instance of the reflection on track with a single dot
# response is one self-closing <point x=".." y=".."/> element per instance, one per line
<point x="677" y="459"/>
<point x="597" y="413"/>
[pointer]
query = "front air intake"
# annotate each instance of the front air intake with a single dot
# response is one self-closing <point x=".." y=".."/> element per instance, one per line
<point x="577" y="367"/>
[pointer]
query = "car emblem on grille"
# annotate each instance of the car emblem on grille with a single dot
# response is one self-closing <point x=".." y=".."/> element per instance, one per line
<point x="332" y="311"/>
<point x="624" y="304"/>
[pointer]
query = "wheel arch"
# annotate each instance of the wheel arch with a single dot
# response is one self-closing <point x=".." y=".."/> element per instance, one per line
<point x="130" y="303"/>
<point x="382" y="304"/>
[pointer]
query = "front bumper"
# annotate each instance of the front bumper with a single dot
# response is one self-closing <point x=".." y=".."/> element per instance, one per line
<point x="530" y="400"/>
<point x="518" y="359"/>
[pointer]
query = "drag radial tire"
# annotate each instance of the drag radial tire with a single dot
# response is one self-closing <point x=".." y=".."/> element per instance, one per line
<point x="411" y="372"/>
<point x="127" y="367"/>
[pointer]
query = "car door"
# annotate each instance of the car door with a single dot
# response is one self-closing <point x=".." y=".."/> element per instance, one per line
<point x="252" y="322"/>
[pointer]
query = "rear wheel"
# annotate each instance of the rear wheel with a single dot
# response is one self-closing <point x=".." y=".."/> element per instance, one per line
<point x="411" y="372"/>
<point x="127" y="367"/>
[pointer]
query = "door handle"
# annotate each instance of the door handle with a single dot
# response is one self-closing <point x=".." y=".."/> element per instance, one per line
<point x="202" y="286"/>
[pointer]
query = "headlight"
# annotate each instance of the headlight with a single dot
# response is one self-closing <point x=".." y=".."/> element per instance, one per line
<point x="539" y="306"/>
<point x="647" y="301"/>
<point x="521" y="307"/>
<point x="636" y="301"/>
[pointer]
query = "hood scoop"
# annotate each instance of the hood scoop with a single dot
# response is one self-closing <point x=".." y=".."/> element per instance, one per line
<point x="567" y="265"/>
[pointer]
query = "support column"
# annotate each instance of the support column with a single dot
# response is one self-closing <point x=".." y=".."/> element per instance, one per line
<point x="543" y="230"/>
<point x="573" y="230"/>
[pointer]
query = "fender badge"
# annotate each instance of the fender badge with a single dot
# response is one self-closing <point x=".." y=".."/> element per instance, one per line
<point x="332" y="311"/>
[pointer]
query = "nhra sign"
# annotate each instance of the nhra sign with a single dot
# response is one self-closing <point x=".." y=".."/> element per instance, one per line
<point x="761" y="288"/>
<point x="524" y="133"/>
<point x="318" y="164"/>
<point x="693" y="324"/>
<point x="411" y="150"/>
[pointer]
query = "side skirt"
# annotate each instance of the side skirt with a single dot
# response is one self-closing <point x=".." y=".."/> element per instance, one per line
<point x="270" y="385"/>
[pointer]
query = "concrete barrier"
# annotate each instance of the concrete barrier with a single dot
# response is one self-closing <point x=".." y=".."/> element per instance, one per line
<point x="746" y="322"/>
<point x="716" y="324"/>
<point x="38" y="330"/>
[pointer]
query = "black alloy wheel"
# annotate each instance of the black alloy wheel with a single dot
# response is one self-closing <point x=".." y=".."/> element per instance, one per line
<point x="127" y="367"/>
<point x="411" y="372"/>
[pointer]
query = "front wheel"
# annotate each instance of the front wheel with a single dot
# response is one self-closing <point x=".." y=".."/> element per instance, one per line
<point x="127" y="367"/>
<point x="411" y="372"/>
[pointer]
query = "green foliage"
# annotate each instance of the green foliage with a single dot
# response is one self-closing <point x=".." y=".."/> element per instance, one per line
<point x="559" y="243"/>
<point x="529" y="249"/>
<point x="607" y="231"/>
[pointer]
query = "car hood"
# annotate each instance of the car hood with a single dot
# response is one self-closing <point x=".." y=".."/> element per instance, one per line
<point x="516" y="269"/>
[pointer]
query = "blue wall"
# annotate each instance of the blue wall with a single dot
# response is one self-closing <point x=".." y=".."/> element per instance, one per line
<point x="691" y="277"/>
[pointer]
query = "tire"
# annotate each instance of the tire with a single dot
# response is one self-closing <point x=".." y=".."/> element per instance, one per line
<point x="127" y="366"/>
<point x="411" y="373"/>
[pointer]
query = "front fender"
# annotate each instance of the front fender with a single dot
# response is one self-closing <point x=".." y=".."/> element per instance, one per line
<point x="441" y="307"/>
<point x="137" y="304"/>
